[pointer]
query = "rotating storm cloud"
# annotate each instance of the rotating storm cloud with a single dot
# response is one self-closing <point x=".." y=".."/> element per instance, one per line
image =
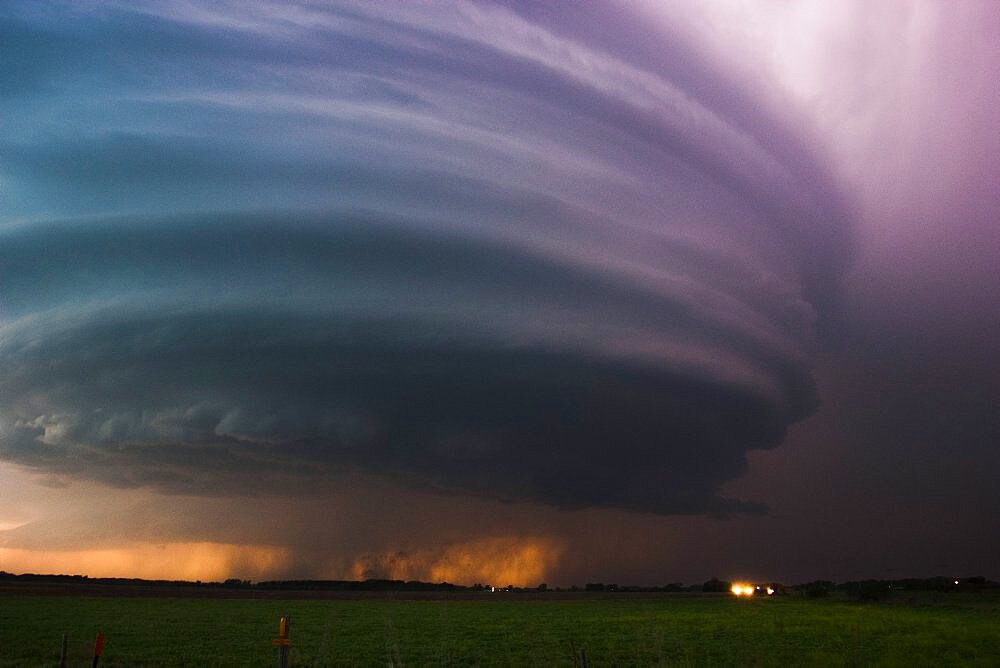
<point x="467" y="248"/>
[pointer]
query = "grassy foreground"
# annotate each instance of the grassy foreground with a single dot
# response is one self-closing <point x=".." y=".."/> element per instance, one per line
<point x="672" y="630"/>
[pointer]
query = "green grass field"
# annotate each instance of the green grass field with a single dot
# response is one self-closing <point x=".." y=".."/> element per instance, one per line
<point x="670" y="630"/>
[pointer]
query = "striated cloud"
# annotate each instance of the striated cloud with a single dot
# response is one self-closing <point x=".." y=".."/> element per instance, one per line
<point x="466" y="248"/>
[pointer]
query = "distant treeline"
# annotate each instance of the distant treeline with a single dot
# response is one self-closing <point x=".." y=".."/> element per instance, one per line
<point x="349" y="585"/>
<point x="84" y="579"/>
<point x="861" y="589"/>
<point x="871" y="590"/>
<point x="236" y="583"/>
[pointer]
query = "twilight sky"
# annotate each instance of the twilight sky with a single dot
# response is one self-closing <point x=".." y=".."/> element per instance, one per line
<point x="638" y="292"/>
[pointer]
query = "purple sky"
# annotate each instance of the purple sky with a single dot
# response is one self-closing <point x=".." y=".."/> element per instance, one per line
<point x="477" y="291"/>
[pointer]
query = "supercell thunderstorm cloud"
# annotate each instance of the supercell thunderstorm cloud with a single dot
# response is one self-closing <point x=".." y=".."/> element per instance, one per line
<point x="498" y="291"/>
<point x="443" y="243"/>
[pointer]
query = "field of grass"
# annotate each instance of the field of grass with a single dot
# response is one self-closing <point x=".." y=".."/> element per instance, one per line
<point x="505" y="630"/>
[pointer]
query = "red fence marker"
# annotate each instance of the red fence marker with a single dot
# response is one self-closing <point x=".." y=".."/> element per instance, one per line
<point x="98" y="648"/>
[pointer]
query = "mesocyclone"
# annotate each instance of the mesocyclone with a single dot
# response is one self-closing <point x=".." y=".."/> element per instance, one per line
<point x="460" y="245"/>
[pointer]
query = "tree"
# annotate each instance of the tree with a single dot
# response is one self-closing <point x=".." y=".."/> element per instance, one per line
<point x="716" y="585"/>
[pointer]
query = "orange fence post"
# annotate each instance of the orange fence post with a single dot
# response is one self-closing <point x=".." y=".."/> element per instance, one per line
<point x="282" y="642"/>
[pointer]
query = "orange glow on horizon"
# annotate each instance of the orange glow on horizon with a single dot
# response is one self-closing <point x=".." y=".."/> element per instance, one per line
<point x="204" y="561"/>
<point x="522" y="562"/>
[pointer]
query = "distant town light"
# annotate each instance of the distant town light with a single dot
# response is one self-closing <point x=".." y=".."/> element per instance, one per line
<point x="748" y="589"/>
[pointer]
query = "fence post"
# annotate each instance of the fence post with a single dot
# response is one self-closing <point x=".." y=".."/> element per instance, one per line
<point x="583" y="658"/>
<point x="282" y="641"/>
<point x="62" y="653"/>
<point x="98" y="648"/>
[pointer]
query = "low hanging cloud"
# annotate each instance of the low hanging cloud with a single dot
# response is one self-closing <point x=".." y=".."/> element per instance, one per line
<point x="468" y="249"/>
